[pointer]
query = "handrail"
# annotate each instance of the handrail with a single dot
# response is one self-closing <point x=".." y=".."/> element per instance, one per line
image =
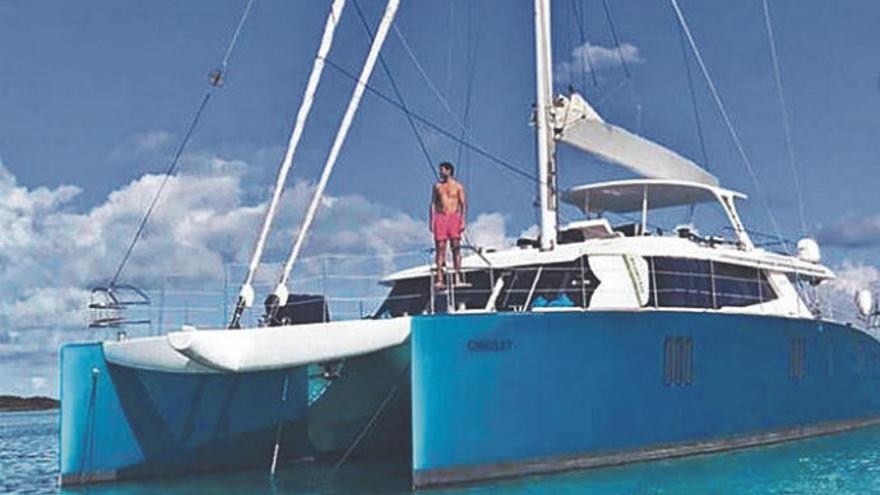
<point x="350" y="293"/>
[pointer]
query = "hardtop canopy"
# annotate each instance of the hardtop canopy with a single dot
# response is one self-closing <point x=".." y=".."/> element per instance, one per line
<point x="627" y="196"/>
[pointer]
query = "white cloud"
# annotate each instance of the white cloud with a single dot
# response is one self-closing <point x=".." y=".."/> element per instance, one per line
<point x="489" y="230"/>
<point x="861" y="231"/>
<point x="838" y="295"/>
<point x="598" y="57"/>
<point x="853" y="276"/>
<point x="150" y="141"/>
<point x="51" y="256"/>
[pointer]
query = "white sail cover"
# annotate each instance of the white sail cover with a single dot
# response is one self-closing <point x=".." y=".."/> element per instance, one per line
<point x="577" y="124"/>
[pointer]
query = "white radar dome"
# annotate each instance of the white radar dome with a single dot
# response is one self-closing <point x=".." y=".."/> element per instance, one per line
<point x="865" y="302"/>
<point x="808" y="250"/>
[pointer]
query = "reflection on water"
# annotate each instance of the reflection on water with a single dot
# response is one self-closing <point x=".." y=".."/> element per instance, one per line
<point x="841" y="464"/>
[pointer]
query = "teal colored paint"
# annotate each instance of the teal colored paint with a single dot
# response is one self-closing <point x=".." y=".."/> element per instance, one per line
<point x="510" y="387"/>
<point x="145" y="423"/>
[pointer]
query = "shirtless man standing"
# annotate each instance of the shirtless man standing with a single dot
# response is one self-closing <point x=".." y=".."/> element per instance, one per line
<point x="446" y="220"/>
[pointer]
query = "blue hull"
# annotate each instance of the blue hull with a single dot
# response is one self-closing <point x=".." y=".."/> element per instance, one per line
<point x="120" y="422"/>
<point x="507" y="394"/>
<point x="484" y="396"/>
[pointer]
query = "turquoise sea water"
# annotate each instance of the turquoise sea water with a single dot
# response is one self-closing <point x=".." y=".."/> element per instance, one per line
<point x="842" y="464"/>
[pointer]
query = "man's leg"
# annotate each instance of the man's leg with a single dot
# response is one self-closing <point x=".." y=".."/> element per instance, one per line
<point x="456" y="258"/>
<point x="440" y="248"/>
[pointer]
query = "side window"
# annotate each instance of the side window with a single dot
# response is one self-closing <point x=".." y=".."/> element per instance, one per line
<point x="406" y="297"/>
<point x="473" y="294"/>
<point x="690" y="283"/>
<point x="740" y="285"/>
<point x="517" y="285"/>
<point x="680" y="283"/>
<point x="561" y="285"/>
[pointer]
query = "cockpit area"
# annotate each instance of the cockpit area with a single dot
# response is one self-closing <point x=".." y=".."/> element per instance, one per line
<point x="651" y="207"/>
<point x="638" y="247"/>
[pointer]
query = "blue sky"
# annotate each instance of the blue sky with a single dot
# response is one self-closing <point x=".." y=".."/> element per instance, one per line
<point x="94" y="97"/>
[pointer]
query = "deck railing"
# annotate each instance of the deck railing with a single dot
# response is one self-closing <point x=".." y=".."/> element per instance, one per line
<point x="349" y="285"/>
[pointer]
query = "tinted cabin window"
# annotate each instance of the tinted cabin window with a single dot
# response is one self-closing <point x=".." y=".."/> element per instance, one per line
<point x="741" y="286"/>
<point x="474" y="294"/>
<point x="517" y="285"/>
<point x="689" y="283"/>
<point x="569" y="284"/>
<point x="407" y="297"/>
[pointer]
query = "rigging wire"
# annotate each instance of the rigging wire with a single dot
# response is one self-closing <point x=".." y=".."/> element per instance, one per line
<point x="471" y="59"/>
<point x="693" y="95"/>
<point x="216" y="80"/>
<point x="579" y="20"/>
<point x="238" y="28"/>
<point x="783" y="107"/>
<point x="473" y="145"/>
<point x="726" y="117"/>
<point x="610" y="19"/>
<point x="427" y="78"/>
<point x="424" y="121"/>
<point x="397" y="93"/>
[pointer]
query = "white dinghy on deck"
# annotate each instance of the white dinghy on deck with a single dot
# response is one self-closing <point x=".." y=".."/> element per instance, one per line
<point x="258" y="349"/>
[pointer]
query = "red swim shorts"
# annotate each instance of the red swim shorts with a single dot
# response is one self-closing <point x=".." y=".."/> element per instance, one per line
<point x="447" y="226"/>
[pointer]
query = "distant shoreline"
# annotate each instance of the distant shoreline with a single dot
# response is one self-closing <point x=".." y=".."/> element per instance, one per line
<point x="12" y="403"/>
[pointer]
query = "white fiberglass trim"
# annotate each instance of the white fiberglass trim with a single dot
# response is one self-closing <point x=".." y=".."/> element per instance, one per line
<point x="151" y="353"/>
<point x="616" y="289"/>
<point x="269" y="348"/>
<point x="348" y="118"/>
<point x="626" y="196"/>
<point x="247" y="292"/>
<point x="645" y="246"/>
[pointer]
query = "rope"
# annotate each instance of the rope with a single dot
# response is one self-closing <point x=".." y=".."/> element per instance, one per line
<point x="238" y="28"/>
<point x="274" y="464"/>
<point x="687" y="69"/>
<point x="727" y="121"/>
<point x="783" y="107"/>
<point x="397" y="93"/>
<point x="369" y="425"/>
<point x="215" y="79"/>
<point x="168" y="173"/>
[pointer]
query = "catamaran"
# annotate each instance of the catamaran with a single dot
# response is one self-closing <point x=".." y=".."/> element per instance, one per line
<point x="596" y="343"/>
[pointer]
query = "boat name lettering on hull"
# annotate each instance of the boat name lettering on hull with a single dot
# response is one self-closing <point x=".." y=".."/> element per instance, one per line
<point x="490" y="345"/>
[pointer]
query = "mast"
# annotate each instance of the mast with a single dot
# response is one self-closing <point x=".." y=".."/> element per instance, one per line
<point x="246" y="294"/>
<point x="544" y="100"/>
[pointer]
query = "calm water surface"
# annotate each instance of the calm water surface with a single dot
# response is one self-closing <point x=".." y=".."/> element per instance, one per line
<point x="841" y="464"/>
